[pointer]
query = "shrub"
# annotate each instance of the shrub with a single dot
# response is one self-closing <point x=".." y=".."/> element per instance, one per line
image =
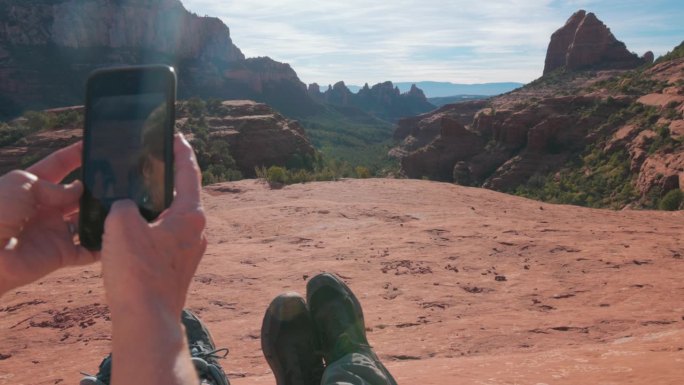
<point x="300" y="176"/>
<point x="217" y="173"/>
<point x="362" y="172"/>
<point x="196" y="107"/>
<point x="260" y="172"/>
<point x="67" y="118"/>
<point x="36" y="120"/>
<point x="10" y="133"/>
<point x="276" y="175"/>
<point x="214" y="105"/>
<point x="672" y="200"/>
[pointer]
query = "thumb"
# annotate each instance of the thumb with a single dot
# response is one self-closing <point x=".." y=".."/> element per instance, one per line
<point x="56" y="195"/>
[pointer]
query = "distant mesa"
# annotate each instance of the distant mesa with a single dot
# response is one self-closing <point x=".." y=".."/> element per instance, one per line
<point x="383" y="100"/>
<point x="585" y="42"/>
<point x="435" y="89"/>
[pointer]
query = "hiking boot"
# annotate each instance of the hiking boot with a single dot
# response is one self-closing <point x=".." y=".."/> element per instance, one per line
<point x="289" y="342"/>
<point x="338" y="319"/>
<point x="103" y="373"/>
<point x="202" y="349"/>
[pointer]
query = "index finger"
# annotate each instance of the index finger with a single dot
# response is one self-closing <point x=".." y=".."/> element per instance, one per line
<point x="187" y="178"/>
<point x="59" y="164"/>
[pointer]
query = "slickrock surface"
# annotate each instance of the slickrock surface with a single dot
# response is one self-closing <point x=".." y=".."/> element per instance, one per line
<point x="459" y="285"/>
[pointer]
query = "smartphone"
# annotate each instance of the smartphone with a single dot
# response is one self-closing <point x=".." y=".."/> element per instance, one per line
<point x="127" y="144"/>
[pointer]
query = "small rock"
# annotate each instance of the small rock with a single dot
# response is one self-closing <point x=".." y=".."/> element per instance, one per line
<point x="500" y="278"/>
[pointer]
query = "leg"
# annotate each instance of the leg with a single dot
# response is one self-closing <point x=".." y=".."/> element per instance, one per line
<point x="356" y="369"/>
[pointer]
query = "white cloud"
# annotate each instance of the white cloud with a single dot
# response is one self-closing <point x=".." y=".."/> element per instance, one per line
<point x="403" y="40"/>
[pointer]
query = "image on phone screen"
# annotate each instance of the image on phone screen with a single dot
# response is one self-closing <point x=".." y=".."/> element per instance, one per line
<point x="126" y="151"/>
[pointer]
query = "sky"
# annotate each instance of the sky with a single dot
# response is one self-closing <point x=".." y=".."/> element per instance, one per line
<point x="458" y="41"/>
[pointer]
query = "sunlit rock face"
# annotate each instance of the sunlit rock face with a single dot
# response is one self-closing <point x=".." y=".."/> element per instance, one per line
<point x="47" y="48"/>
<point x="163" y="26"/>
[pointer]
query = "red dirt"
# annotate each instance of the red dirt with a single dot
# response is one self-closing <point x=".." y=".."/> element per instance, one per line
<point x="459" y="285"/>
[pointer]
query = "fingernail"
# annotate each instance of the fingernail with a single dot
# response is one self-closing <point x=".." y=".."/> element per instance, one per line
<point x="75" y="184"/>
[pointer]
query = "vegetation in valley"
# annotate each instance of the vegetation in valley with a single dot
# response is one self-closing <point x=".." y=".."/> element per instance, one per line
<point x="34" y="121"/>
<point x="348" y="139"/>
<point x="348" y="147"/>
<point x="593" y="179"/>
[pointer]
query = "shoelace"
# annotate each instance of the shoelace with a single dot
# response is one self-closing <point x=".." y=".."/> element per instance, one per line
<point x="104" y="376"/>
<point x="195" y="351"/>
<point x="198" y="351"/>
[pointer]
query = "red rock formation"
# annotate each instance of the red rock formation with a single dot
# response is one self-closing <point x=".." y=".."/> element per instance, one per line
<point x="314" y="91"/>
<point x="48" y="48"/>
<point x="661" y="170"/>
<point x="585" y="42"/>
<point x="257" y="135"/>
<point x="425" y="128"/>
<point x="648" y="57"/>
<point x="521" y="141"/>
<point x="416" y="92"/>
<point x="383" y="100"/>
<point x="560" y="41"/>
<point x="437" y="159"/>
<point x="338" y="94"/>
<point x="160" y="25"/>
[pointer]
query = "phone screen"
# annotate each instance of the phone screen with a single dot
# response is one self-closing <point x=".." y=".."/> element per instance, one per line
<point x="125" y="155"/>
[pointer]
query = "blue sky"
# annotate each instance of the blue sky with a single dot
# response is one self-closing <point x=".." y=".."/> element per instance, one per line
<point x="406" y="40"/>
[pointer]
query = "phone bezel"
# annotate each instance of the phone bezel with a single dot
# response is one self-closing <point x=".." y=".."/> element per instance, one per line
<point x="125" y="81"/>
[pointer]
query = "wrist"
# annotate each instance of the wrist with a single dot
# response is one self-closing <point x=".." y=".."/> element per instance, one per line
<point x="139" y="297"/>
<point x="147" y="333"/>
<point x="143" y="310"/>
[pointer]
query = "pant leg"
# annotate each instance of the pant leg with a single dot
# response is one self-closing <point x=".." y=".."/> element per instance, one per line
<point x="354" y="369"/>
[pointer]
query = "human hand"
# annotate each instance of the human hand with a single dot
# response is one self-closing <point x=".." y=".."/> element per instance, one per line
<point x="155" y="262"/>
<point x="147" y="270"/>
<point x="37" y="216"/>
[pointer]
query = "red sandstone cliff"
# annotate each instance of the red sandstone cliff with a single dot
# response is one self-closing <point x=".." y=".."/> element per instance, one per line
<point x="585" y="42"/>
<point x="47" y="48"/>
